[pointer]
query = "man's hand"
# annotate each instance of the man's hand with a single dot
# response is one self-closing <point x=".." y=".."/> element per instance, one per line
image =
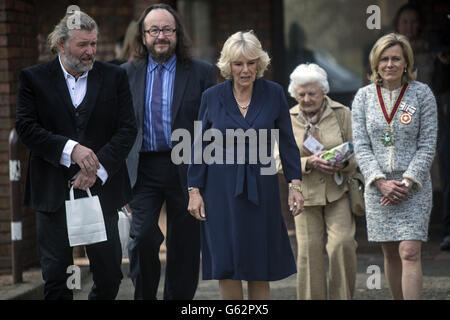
<point x="86" y="159"/>
<point x="84" y="181"/>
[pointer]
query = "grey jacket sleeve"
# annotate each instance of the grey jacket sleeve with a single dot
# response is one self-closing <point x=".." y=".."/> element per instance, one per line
<point x="420" y="164"/>
<point x="363" y="146"/>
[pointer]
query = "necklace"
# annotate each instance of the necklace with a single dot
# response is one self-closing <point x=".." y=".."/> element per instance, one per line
<point x="243" y="107"/>
<point x="388" y="135"/>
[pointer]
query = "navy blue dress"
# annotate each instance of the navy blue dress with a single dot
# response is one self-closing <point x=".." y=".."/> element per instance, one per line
<point x="244" y="236"/>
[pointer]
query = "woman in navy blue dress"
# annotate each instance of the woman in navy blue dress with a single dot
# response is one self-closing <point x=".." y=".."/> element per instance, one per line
<point x="233" y="184"/>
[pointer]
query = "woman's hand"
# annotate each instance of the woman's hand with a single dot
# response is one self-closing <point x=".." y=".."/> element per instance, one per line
<point x="315" y="162"/>
<point x="196" y="206"/>
<point x="393" y="191"/>
<point x="295" y="199"/>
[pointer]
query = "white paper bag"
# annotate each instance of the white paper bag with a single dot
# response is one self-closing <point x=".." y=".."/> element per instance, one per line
<point x="124" y="230"/>
<point x="85" y="223"/>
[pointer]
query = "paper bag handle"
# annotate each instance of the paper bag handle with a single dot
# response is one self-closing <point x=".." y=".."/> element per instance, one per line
<point x="72" y="196"/>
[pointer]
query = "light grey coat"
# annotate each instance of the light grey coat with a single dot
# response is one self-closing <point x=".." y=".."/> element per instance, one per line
<point x="410" y="157"/>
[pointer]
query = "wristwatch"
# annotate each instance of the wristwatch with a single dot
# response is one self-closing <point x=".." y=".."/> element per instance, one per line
<point x="191" y="188"/>
<point x="406" y="183"/>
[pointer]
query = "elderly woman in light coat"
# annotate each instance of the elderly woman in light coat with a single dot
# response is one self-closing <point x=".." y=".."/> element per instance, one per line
<point x="327" y="209"/>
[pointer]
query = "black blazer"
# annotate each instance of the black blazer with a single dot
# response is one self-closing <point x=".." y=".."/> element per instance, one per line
<point x="45" y="121"/>
<point x="190" y="82"/>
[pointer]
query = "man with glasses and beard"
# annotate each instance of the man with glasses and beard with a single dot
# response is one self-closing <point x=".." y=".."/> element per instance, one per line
<point x="76" y="117"/>
<point x="166" y="84"/>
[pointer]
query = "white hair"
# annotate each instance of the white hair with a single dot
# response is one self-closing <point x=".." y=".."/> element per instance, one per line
<point x="307" y="74"/>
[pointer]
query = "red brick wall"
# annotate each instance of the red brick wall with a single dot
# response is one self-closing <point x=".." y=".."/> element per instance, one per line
<point x="18" y="48"/>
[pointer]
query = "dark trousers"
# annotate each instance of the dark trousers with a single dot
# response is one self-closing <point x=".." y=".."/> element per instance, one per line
<point x="56" y="256"/>
<point x="158" y="181"/>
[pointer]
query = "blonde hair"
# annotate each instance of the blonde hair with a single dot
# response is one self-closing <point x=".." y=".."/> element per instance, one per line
<point x="61" y="32"/>
<point x="129" y="42"/>
<point x="385" y="42"/>
<point x="306" y="74"/>
<point x="244" y="44"/>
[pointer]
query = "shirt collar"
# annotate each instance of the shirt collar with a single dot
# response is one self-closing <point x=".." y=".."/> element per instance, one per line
<point x="68" y="75"/>
<point x="168" y="65"/>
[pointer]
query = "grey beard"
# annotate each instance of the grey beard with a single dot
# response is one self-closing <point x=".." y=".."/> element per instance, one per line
<point x="76" y="65"/>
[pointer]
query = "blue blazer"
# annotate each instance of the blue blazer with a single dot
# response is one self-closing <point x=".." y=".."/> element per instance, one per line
<point x="268" y="110"/>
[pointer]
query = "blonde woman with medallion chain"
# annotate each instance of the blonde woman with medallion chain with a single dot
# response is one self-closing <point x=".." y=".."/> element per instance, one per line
<point x="395" y="128"/>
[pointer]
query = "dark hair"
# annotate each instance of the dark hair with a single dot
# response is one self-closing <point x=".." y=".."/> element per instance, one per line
<point x="411" y="7"/>
<point x="182" y="49"/>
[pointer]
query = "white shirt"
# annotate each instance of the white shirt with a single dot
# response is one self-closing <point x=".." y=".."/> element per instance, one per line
<point x="77" y="90"/>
